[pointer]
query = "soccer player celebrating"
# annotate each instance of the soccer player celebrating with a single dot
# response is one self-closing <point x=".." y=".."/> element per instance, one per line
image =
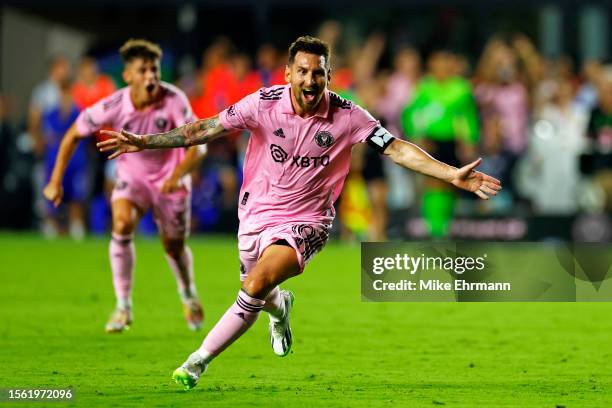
<point x="296" y="163"/>
<point x="158" y="179"/>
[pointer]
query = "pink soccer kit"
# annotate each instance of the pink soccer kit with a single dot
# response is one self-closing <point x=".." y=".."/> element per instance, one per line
<point x="294" y="170"/>
<point x="141" y="175"/>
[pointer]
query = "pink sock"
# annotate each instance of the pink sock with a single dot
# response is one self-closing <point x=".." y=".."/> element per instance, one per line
<point x="183" y="272"/>
<point x="235" y="322"/>
<point x="122" y="256"/>
<point x="275" y="305"/>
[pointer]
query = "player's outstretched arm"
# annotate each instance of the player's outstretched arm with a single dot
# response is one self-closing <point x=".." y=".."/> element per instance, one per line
<point x="195" y="133"/>
<point x="53" y="190"/>
<point x="413" y="157"/>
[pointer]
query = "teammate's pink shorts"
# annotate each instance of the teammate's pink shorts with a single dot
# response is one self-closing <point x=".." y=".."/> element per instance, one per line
<point x="171" y="211"/>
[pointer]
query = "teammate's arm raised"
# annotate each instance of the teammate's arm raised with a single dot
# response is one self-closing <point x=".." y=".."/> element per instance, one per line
<point x="414" y="158"/>
<point x="53" y="190"/>
<point x="195" y="133"/>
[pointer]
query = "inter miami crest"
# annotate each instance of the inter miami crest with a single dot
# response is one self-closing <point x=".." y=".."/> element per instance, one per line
<point x="161" y="123"/>
<point x="324" y="139"/>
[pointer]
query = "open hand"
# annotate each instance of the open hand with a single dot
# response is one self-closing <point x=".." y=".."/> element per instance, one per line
<point x="119" y="143"/>
<point x="478" y="183"/>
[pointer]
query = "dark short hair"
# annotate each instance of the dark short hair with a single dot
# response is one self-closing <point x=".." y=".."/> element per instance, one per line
<point x="311" y="45"/>
<point x="138" y="48"/>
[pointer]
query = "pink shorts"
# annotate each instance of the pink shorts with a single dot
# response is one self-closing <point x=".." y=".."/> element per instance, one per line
<point x="306" y="239"/>
<point x="171" y="211"/>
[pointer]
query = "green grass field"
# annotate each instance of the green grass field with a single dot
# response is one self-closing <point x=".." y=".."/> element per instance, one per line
<point x="55" y="298"/>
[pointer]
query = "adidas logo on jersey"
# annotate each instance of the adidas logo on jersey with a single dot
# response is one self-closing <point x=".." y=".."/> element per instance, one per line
<point x="279" y="132"/>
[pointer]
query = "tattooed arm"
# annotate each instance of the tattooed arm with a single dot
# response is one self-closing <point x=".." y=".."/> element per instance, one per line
<point x="195" y="133"/>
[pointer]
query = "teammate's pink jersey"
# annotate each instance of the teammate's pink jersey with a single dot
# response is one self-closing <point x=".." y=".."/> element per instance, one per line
<point x="294" y="168"/>
<point x="117" y="112"/>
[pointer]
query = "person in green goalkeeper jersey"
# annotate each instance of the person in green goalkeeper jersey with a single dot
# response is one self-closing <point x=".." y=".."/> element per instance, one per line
<point x="442" y="117"/>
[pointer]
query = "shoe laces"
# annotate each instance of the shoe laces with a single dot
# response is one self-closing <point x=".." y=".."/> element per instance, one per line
<point x="194" y="362"/>
<point x="278" y="328"/>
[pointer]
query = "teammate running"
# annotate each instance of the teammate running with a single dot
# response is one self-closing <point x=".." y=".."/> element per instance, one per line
<point x="296" y="163"/>
<point x="159" y="180"/>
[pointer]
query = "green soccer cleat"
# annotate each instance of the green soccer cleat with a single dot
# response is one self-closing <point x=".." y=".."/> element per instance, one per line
<point x="182" y="376"/>
<point x="280" y="331"/>
<point x="188" y="374"/>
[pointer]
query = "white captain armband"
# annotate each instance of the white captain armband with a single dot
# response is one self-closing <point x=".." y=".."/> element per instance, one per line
<point x="380" y="139"/>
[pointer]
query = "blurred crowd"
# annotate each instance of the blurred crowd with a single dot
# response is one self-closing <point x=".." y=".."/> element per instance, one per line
<point x="542" y="126"/>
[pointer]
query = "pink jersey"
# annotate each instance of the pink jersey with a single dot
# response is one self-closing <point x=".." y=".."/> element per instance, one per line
<point x="117" y="112"/>
<point x="295" y="168"/>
